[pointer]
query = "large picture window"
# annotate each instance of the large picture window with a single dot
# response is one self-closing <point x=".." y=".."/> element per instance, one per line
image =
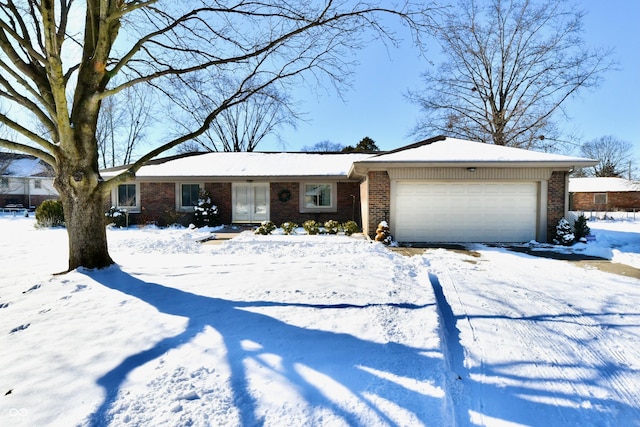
<point x="127" y="196"/>
<point x="318" y="197"/>
<point x="189" y="195"/>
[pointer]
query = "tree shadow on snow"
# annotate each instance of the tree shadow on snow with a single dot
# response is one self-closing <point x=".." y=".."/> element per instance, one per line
<point x="352" y="362"/>
<point x="525" y="392"/>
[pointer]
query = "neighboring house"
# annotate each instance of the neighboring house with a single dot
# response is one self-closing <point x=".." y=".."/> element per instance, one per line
<point x="604" y="194"/>
<point x="438" y="190"/>
<point x="25" y="181"/>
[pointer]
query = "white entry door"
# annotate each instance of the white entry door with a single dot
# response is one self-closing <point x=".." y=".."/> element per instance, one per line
<point x="250" y="202"/>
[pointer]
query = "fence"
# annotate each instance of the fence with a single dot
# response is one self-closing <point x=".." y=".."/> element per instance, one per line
<point x="628" y="215"/>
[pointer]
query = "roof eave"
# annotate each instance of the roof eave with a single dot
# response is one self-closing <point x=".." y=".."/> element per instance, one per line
<point x="363" y="166"/>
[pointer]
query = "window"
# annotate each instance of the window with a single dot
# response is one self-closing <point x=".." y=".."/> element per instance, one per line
<point x="127" y="196"/>
<point x="189" y="194"/>
<point x="37" y="183"/>
<point x="318" y="197"/>
<point x="4" y="183"/>
<point x="600" y="198"/>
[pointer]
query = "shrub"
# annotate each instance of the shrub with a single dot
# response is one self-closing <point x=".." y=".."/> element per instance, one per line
<point x="581" y="229"/>
<point x="311" y="227"/>
<point x="350" y="227"/>
<point x="289" y="227"/>
<point x="116" y="217"/>
<point x="50" y="214"/>
<point x="331" y="226"/>
<point x="265" y="228"/>
<point x="564" y="233"/>
<point x="205" y="213"/>
<point x="383" y="233"/>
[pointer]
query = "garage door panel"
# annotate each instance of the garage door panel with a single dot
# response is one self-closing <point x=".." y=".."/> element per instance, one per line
<point x="465" y="211"/>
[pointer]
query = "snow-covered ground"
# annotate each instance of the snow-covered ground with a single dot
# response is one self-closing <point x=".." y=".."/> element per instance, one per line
<point x="314" y="330"/>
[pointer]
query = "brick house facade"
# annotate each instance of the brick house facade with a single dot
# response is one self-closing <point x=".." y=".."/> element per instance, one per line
<point x="519" y="190"/>
<point x="604" y="194"/>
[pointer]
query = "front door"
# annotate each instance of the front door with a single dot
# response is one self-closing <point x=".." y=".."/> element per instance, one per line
<point x="250" y="202"/>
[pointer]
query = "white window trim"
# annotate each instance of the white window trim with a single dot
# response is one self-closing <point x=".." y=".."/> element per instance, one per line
<point x="334" y="198"/>
<point x="179" y="207"/>
<point x="114" y="198"/>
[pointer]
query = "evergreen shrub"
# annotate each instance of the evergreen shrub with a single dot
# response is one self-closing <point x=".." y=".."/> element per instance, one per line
<point x="205" y="213"/>
<point x="116" y="217"/>
<point x="265" y="228"/>
<point x="581" y="229"/>
<point x="289" y="227"/>
<point x="350" y="227"/>
<point x="564" y="233"/>
<point x="311" y="227"/>
<point x="331" y="227"/>
<point x="50" y="214"/>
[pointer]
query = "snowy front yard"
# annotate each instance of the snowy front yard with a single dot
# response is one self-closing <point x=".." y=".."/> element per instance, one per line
<point x="325" y="331"/>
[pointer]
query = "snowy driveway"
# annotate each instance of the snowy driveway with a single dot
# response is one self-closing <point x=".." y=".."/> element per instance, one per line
<point x="310" y="330"/>
<point x="533" y="341"/>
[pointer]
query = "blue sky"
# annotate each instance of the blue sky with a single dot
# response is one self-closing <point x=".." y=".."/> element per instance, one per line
<point x="375" y="105"/>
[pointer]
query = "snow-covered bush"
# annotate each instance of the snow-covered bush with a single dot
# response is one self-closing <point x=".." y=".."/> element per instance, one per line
<point x="383" y="233"/>
<point x="581" y="229"/>
<point x="331" y="226"/>
<point x="311" y="227"/>
<point x="289" y="227"/>
<point x="350" y="227"/>
<point x="265" y="228"/>
<point x="50" y="214"/>
<point x="205" y="213"/>
<point x="116" y="217"/>
<point x="564" y="233"/>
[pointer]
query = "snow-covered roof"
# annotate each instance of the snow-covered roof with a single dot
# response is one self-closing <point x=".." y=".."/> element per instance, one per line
<point x="251" y="165"/>
<point x="602" y="185"/>
<point x="23" y="166"/>
<point x="452" y="150"/>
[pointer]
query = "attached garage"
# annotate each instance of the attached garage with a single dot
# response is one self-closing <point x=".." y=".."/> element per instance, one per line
<point x="465" y="211"/>
<point x="450" y="190"/>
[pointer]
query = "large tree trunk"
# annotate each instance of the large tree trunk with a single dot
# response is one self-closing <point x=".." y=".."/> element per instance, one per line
<point x="83" y="201"/>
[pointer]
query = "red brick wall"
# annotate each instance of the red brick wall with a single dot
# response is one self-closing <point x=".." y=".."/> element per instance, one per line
<point x="348" y="207"/>
<point x="158" y="203"/>
<point x="279" y="211"/>
<point x="221" y="197"/>
<point x="627" y="200"/>
<point x="555" y="202"/>
<point x="379" y="200"/>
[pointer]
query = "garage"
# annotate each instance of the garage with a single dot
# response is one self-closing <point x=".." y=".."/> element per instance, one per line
<point x="465" y="211"/>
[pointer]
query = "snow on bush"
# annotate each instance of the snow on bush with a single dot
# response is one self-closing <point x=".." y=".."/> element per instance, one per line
<point x="564" y="233"/>
<point x="205" y="214"/>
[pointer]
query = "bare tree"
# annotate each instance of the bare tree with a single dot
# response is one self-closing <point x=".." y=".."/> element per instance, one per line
<point x="242" y="126"/>
<point x="509" y="66"/>
<point x="59" y="70"/>
<point x="123" y="124"/>
<point x="323" y="146"/>
<point x="613" y="155"/>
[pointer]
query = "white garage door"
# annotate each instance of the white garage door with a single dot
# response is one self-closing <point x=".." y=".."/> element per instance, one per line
<point x="464" y="212"/>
